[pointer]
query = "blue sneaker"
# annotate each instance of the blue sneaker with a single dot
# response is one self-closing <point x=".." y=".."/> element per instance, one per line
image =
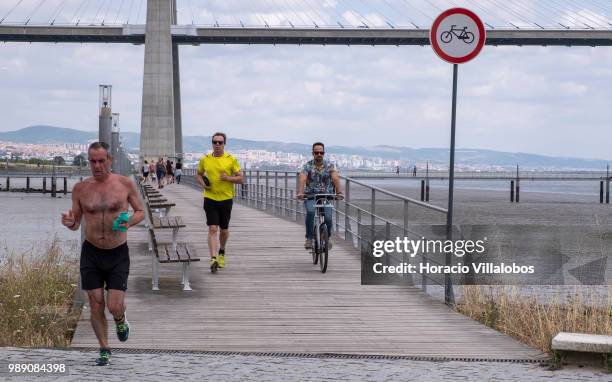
<point x="104" y="359"/>
<point x="123" y="329"/>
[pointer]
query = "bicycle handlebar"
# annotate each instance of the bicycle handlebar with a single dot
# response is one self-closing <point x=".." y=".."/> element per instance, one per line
<point x="324" y="196"/>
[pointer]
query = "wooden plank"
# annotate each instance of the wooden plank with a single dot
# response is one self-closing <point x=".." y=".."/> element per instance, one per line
<point x="271" y="298"/>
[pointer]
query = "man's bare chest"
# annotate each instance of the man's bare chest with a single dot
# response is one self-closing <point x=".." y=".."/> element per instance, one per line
<point x="95" y="201"/>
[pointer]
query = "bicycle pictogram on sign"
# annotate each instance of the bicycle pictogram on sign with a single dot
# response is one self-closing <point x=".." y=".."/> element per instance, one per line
<point x="460" y="33"/>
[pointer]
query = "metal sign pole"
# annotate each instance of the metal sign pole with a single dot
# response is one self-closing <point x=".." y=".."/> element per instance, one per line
<point x="449" y="297"/>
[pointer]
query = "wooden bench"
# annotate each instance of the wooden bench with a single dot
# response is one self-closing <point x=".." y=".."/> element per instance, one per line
<point x="566" y="343"/>
<point x="167" y="253"/>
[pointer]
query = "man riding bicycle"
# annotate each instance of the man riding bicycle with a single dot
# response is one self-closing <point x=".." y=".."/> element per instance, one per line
<point x="318" y="176"/>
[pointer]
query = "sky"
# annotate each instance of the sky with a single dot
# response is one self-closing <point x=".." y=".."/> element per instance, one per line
<point x="545" y="100"/>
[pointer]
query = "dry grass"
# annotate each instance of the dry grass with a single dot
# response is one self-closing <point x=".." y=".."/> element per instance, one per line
<point x="36" y="295"/>
<point x="534" y="322"/>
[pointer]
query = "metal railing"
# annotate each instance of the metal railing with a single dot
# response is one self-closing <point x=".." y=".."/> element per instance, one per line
<point x="360" y="219"/>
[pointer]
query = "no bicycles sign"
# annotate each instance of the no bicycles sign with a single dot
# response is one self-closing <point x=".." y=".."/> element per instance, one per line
<point x="457" y="35"/>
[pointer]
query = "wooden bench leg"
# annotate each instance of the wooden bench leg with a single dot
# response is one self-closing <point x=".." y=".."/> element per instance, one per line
<point x="155" y="278"/>
<point x="185" y="282"/>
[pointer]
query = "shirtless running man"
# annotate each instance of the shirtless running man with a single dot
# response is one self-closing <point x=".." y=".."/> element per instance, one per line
<point x="101" y="199"/>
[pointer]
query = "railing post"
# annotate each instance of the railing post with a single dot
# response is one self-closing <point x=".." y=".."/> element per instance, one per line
<point x="27" y="184"/>
<point x="372" y="217"/>
<point x="359" y="230"/>
<point x="405" y="218"/>
<point x="65" y="186"/>
<point x="53" y="187"/>
<point x="275" y="204"/>
<point x="44" y="185"/>
<point x="292" y="209"/>
<point x="387" y="238"/>
<point x="8" y="183"/>
<point x="297" y="204"/>
<point x="286" y="191"/>
<point x="257" y="190"/>
<point x="347" y="202"/>
<point x="267" y="195"/>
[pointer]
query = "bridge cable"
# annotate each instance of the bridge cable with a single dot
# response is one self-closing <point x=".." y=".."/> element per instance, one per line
<point x="76" y="13"/>
<point x="373" y="12"/>
<point x="57" y="11"/>
<point x="97" y="12"/>
<point x="554" y="14"/>
<point x="399" y="11"/>
<point x="427" y="16"/>
<point x="138" y="13"/>
<point x="34" y="11"/>
<point x="605" y="19"/>
<point x="337" y="15"/>
<point x="568" y="14"/>
<point x="486" y="10"/>
<point x="10" y="10"/>
<point x="295" y="12"/>
<point x="316" y="14"/>
<point x="581" y="16"/>
<point x="256" y="15"/>
<point x="110" y="2"/>
<point x="191" y="11"/>
<point x="604" y="9"/>
<point x="130" y="12"/>
<point x="510" y="12"/>
<point x="118" y="12"/>
<point x="273" y="8"/>
<point x="358" y="15"/>
<point x="536" y="12"/>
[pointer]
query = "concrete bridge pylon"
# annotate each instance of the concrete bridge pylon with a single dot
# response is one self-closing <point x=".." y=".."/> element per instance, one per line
<point x="160" y="133"/>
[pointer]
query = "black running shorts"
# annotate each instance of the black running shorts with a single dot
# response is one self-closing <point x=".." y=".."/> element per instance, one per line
<point x="218" y="212"/>
<point x="104" y="266"/>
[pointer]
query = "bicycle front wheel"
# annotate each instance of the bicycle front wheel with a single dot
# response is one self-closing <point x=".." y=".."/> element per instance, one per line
<point x="315" y="252"/>
<point x="323" y="250"/>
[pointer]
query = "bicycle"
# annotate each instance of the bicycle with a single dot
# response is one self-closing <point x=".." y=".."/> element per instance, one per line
<point x="467" y="37"/>
<point x="320" y="239"/>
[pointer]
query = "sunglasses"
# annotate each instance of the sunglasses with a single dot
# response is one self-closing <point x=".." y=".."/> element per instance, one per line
<point x="218" y="142"/>
<point x="318" y="152"/>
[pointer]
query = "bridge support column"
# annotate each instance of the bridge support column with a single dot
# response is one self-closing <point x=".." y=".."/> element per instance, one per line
<point x="157" y="136"/>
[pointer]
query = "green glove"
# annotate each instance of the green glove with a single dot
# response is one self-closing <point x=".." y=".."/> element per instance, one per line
<point x="122" y="218"/>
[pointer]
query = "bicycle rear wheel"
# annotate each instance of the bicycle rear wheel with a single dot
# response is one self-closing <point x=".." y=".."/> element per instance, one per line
<point x="315" y="252"/>
<point x="323" y="250"/>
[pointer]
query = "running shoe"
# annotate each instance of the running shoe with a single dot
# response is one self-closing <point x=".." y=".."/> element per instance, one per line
<point x="105" y="356"/>
<point x="308" y="244"/>
<point x="123" y="329"/>
<point x="329" y="244"/>
<point x="214" y="264"/>
<point x="221" y="260"/>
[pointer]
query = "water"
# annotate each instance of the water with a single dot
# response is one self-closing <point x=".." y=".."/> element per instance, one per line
<point x="581" y="188"/>
<point x="32" y="220"/>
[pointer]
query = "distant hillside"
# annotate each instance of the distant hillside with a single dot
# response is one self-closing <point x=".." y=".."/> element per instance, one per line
<point x="51" y="134"/>
<point x="41" y="134"/>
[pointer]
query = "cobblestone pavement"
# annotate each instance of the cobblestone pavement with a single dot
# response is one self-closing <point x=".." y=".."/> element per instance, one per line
<point x="198" y="367"/>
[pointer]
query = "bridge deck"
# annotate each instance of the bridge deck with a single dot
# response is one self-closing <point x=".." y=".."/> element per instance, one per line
<point x="271" y="298"/>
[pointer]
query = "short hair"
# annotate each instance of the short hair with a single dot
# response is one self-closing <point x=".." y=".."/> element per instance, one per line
<point x="318" y="144"/>
<point x="146" y="162"/>
<point x="99" y="145"/>
<point x="220" y="134"/>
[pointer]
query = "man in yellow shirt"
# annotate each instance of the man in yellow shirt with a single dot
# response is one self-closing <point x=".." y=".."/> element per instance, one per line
<point x="217" y="173"/>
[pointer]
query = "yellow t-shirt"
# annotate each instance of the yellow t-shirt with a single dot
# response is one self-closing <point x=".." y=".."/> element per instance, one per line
<point x="212" y="167"/>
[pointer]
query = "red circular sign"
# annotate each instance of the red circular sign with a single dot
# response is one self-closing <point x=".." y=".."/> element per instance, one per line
<point x="457" y="35"/>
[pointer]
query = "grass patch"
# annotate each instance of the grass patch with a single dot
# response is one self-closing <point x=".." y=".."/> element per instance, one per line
<point x="535" y="322"/>
<point x="36" y="298"/>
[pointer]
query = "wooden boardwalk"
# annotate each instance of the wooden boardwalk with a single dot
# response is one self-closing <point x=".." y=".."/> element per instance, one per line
<point x="271" y="298"/>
